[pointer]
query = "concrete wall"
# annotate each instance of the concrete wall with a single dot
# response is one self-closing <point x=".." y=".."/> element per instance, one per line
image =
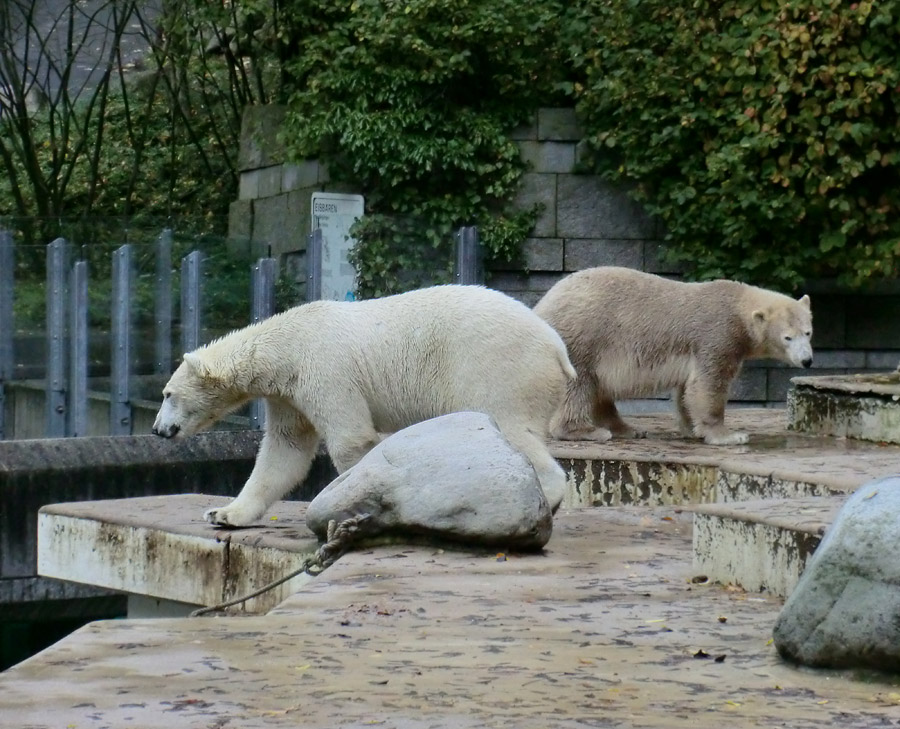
<point x="39" y="472"/>
<point x="585" y="222"/>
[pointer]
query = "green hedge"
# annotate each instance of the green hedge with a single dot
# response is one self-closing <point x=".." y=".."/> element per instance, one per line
<point x="764" y="134"/>
<point x="412" y="102"/>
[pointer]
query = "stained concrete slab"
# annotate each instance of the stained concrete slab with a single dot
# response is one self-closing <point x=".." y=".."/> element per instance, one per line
<point x="162" y="547"/>
<point x="663" y="468"/>
<point x="605" y="628"/>
<point x="760" y="545"/>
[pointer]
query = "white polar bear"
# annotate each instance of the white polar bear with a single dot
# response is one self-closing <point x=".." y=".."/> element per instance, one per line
<point x="345" y="371"/>
<point x="634" y="334"/>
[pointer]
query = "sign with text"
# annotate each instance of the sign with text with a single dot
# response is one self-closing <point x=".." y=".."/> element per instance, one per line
<point x="334" y="213"/>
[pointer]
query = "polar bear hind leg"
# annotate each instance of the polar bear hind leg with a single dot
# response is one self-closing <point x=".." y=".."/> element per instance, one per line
<point x="574" y="420"/>
<point x="550" y="474"/>
<point x="607" y="415"/>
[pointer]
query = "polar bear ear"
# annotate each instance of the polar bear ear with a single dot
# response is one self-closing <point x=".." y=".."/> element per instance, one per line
<point x="804" y="301"/>
<point x="199" y="366"/>
<point x="759" y="316"/>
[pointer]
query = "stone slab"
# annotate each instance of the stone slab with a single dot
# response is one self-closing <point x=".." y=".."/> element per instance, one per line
<point x="760" y="545"/>
<point x="866" y="407"/>
<point x="604" y="628"/>
<point x="161" y="547"/>
<point x="776" y="463"/>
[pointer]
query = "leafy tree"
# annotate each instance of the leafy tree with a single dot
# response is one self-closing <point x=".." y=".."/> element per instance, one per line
<point x="412" y="102"/>
<point x="764" y="134"/>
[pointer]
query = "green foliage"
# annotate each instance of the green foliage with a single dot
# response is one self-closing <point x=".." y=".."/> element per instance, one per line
<point x="764" y="134"/>
<point x="411" y="103"/>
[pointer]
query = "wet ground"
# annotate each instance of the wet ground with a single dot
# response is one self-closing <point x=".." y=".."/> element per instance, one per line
<point x="610" y="626"/>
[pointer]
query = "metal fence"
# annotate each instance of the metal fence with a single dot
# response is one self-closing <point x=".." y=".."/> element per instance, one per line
<point x="67" y="330"/>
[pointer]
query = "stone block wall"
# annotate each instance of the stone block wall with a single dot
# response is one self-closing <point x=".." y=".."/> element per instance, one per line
<point x="584" y="222"/>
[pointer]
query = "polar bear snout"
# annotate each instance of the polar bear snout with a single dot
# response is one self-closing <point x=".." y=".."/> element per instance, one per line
<point x="166" y="431"/>
<point x="799" y="351"/>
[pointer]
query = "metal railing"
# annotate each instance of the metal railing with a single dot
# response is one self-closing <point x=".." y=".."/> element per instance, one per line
<point x="67" y="322"/>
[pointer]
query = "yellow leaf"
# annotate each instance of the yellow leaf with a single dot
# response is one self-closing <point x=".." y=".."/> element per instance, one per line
<point x="301" y="668"/>
<point x="870" y="495"/>
<point x="657" y="620"/>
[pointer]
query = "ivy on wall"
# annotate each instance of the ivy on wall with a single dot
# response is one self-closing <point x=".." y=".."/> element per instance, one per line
<point x="412" y="103"/>
<point x="764" y="134"/>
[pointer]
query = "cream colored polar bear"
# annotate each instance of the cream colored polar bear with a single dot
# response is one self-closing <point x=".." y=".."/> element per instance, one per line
<point x="345" y="371"/>
<point x="633" y="334"/>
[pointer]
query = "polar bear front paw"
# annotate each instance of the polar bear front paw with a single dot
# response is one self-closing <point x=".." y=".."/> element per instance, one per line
<point x="727" y="438"/>
<point x="231" y="516"/>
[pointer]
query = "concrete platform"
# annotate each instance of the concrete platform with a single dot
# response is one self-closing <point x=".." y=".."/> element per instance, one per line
<point x="160" y="547"/>
<point x="606" y="628"/>
<point x="763" y="545"/>
<point x="614" y="625"/>
<point x="865" y="406"/>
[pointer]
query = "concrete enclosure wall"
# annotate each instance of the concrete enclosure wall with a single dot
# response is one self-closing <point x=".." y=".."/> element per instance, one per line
<point x="38" y="472"/>
<point x="584" y="222"/>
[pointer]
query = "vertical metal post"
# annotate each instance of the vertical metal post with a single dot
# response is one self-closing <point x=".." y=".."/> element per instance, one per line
<point x="7" y="281"/>
<point x="120" y="375"/>
<point x="314" y="265"/>
<point x="262" y="307"/>
<point x="468" y="256"/>
<point x="190" y="301"/>
<point x="163" y="304"/>
<point x="78" y="338"/>
<point x="57" y="300"/>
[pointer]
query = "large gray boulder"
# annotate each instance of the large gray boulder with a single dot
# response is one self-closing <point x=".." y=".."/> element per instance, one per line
<point x="845" y="610"/>
<point x="454" y="477"/>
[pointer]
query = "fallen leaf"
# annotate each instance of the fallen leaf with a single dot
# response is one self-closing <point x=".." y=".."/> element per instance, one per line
<point x="301" y="668"/>
<point x="722" y="619"/>
<point x="273" y="518"/>
<point x="699" y="579"/>
<point x="720" y="659"/>
<point x="701" y="654"/>
<point x="657" y="620"/>
<point x="501" y="557"/>
<point x="866" y="498"/>
<point x="667" y="518"/>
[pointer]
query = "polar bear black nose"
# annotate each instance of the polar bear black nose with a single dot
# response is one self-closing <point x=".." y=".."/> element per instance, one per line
<point x="807" y="363"/>
<point x="169" y="432"/>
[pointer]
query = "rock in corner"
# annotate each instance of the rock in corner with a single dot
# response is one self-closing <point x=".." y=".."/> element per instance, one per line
<point x="845" y="610"/>
<point x="454" y="477"/>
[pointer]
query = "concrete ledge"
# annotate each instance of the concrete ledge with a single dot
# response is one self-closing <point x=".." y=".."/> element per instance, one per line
<point x="760" y="545"/>
<point x="665" y="469"/>
<point x="161" y="547"/>
<point x="855" y="406"/>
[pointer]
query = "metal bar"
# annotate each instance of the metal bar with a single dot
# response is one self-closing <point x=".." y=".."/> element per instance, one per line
<point x="468" y="256"/>
<point x="163" y="304"/>
<point x="7" y="281"/>
<point x="57" y="300"/>
<point x="78" y="338"/>
<point x="191" y="266"/>
<point x="120" y="374"/>
<point x="314" y="265"/>
<point x="262" y="307"/>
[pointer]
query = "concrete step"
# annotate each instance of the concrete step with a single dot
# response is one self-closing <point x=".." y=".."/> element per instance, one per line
<point x="761" y="545"/>
<point x="159" y="550"/>
<point x="855" y="406"/>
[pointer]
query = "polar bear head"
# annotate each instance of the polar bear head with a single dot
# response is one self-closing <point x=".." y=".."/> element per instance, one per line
<point x="784" y="327"/>
<point x="195" y="397"/>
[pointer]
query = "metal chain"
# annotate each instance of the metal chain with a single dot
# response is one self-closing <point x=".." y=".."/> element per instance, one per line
<point x="338" y="540"/>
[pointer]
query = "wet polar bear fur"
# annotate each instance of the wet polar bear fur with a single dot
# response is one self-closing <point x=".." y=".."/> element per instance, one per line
<point x="347" y="371"/>
<point x="634" y="334"/>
